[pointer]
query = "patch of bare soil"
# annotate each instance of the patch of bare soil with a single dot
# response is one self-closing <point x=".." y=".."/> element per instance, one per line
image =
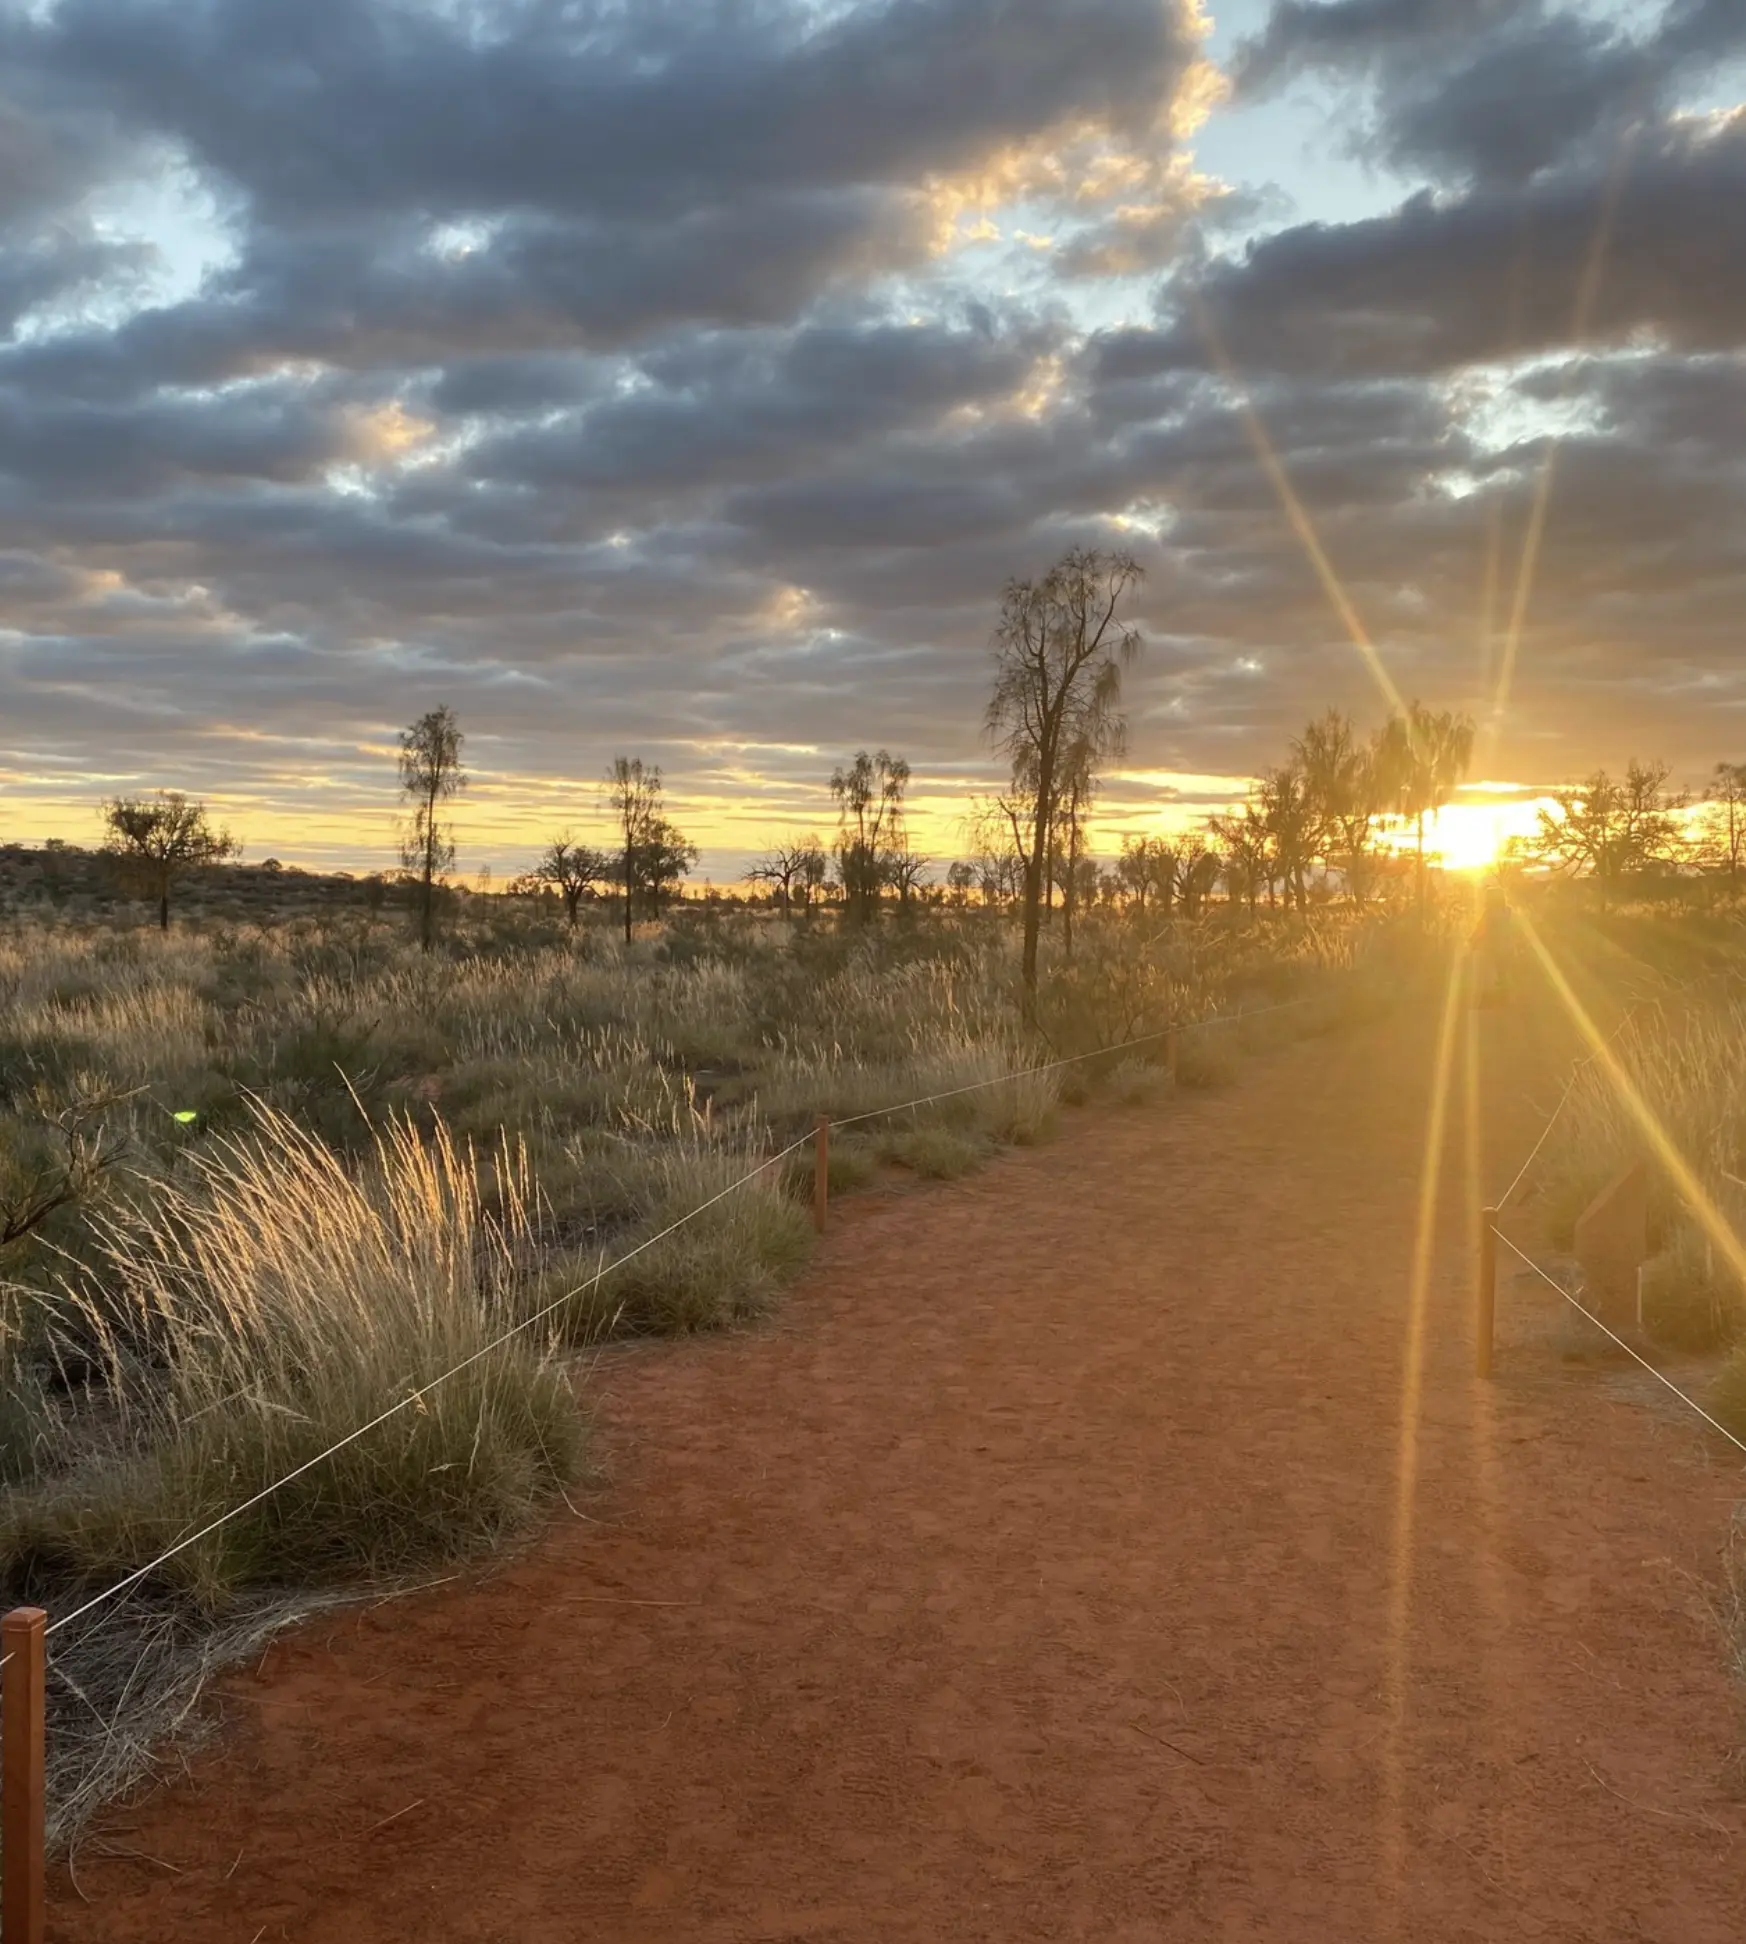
<point x="1062" y="1564"/>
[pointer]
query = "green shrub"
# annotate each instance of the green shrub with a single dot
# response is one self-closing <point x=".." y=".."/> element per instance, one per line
<point x="1690" y="1301"/>
<point x="736" y="1237"/>
<point x="257" y="1315"/>
<point x="1726" y="1401"/>
<point x="1205" y="1058"/>
<point x="936" y="1153"/>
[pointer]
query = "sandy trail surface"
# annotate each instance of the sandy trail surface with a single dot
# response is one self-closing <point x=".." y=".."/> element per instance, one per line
<point x="1076" y="1557"/>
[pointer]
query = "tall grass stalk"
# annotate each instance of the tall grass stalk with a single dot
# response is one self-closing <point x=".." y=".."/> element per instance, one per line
<point x="254" y="1313"/>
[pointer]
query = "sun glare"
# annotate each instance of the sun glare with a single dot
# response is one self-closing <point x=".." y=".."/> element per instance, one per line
<point x="1471" y="836"/>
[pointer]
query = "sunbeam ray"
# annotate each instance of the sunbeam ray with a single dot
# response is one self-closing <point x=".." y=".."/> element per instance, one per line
<point x="1587" y="289"/>
<point x="1301" y="525"/>
<point x="1490" y="1588"/>
<point x="1398" y="1643"/>
<point x="1661" y="1144"/>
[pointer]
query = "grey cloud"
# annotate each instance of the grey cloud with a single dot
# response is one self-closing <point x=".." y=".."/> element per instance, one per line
<point x="1354" y="36"/>
<point x="1441" y="284"/>
<point x="329" y="108"/>
<point x="59" y="449"/>
<point x="736" y="406"/>
<point x="1490" y="90"/>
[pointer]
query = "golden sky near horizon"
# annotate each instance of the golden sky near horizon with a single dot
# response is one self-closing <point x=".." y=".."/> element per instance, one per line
<point x="501" y="823"/>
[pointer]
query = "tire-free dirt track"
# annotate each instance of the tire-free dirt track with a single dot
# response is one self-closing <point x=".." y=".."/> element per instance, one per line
<point x="1044" y="1572"/>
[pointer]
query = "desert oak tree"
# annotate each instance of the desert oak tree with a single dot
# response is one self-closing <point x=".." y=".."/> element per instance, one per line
<point x="1060" y="648"/>
<point x="159" y="838"/>
<point x="570" y="868"/>
<point x="869" y="794"/>
<point x="430" y="776"/>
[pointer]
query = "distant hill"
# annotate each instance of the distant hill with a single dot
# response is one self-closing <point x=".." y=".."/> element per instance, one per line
<point x="64" y="878"/>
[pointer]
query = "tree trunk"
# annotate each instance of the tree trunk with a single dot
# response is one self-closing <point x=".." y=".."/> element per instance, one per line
<point x="427" y="917"/>
<point x="1070" y="891"/>
<point x="1033" y="929"/>
<point x="164" y="909"/>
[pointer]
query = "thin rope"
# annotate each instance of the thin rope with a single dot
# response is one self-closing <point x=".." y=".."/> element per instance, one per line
<point x="1667" y="1382"/>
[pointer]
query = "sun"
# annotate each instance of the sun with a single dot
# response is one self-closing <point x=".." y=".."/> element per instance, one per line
<point x="1473" y="834"/>
<point x="1467" y="836"/>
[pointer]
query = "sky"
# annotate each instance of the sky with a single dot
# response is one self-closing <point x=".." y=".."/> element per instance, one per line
<point x="687" y="378"/>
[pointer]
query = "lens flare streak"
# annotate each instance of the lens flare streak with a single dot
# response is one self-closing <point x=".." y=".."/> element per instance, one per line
<point x="1398" y="1645"/>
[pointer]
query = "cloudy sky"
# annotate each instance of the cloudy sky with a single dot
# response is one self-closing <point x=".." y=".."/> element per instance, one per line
<point x="686" y="377"/>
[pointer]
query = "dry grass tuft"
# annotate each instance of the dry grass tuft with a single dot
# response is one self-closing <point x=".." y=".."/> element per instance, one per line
<point x="935" y="1153"/>
<point x="1690" y="1300"/>
<point x="246" y="1317"/>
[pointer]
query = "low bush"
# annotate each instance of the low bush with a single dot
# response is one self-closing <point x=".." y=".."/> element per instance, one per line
<point x="715" y="1239"/>
<point x="936" y="1153"/>
<point x="1136" y="1083"/>
<point x="1205" y="1058"/>
<point x="1690" y="1301"/>
<point x="255" y="1315"/>
<point x="1726" y="1401"/>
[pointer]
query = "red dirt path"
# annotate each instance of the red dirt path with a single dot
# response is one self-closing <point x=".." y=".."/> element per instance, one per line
<point x="1034" y="1577"/>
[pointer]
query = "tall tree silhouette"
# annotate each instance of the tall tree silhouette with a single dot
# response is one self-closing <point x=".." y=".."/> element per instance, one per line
<point x="1423" y="757"/>
<point x="430" y="776"/>
<point x="869" y="794"/>
<point x="1060" y="648"/>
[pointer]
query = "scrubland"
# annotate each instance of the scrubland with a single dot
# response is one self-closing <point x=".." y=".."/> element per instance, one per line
<point x="298" y="1202"/>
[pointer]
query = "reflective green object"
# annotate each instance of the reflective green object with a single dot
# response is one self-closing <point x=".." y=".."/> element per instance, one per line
<point x="186" y="1116"/>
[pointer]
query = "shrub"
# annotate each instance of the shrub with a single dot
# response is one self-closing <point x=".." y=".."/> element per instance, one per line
<point x="1690" y="1071"/>
<point x="1137" y="1083"/>
<point x="1690" y="1301"/>
<point x="261" y="1313"/>
<point x="936" y="1153"/>
<point x="721" y="1263"/>
<point x="1727" y="1398"/>
<point x="1205" y="1058"/>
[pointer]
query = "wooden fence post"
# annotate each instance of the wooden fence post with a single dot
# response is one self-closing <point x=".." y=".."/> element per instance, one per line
<point x="1487" y="1317"/>
<point x="23" y="1685"/>
<point x="821" y="1171"/>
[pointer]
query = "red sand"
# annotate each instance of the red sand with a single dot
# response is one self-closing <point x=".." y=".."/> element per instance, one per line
<point x="1034" y="1577"/>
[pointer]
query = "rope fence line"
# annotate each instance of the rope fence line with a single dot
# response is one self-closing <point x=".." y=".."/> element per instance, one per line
<point x="1492" y="1234"/>
<point x="1576" y="1074"/>
<point x="415" y="1396"/>
<point x="1552" y="1282"/>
